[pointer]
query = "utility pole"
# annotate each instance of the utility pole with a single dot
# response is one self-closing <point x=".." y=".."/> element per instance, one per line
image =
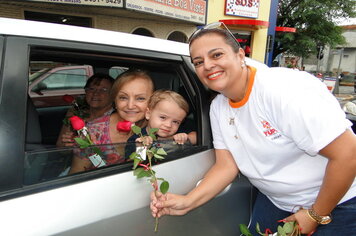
<point x="336" y="89"/>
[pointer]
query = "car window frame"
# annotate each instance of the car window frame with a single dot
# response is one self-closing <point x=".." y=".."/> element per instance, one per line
<point x="17" y="49"/>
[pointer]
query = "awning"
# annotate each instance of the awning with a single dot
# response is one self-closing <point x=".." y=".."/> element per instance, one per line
<point x="250" y="24"/>
<point x="285" y="29"/>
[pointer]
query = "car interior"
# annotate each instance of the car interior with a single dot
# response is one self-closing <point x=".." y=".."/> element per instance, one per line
<point x="44" y="160"/>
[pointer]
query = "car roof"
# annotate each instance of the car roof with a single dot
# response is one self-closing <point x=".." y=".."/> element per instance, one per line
<point x="37" y="29"/>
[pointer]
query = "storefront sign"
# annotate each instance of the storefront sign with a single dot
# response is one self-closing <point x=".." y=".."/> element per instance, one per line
<point x="244" y="8"/>
<point x="104" y="3"/>
<point x="188" y="10"/>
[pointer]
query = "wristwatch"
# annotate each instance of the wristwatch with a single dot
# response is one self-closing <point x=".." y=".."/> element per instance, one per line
<point x="323" y="220"/>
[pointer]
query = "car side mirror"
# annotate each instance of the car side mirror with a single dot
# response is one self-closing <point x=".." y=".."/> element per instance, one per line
<point x="39" y="88"/>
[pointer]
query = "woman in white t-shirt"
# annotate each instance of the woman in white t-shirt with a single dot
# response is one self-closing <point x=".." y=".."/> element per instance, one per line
<point x="283" y="130"/>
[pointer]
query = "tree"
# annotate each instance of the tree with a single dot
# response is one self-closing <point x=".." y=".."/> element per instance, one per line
<point x="315" y="25"/>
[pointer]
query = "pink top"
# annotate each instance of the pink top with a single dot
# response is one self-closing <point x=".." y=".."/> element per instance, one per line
<point x="101" y="131"/>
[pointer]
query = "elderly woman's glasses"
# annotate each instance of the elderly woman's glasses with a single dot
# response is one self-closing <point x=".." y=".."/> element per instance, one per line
<point x="97" y="90"/>
<point x="215" y="25"/>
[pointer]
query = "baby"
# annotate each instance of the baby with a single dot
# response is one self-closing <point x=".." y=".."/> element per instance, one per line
<point x="166" y="111"/>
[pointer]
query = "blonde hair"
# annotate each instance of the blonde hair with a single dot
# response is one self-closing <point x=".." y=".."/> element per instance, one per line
<point x="126" y="77"/>
<point x="129" y="76"/>
<point x="164" y="95"/>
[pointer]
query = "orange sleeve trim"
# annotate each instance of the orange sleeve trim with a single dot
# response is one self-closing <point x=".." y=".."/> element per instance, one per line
<point x="249" y="89"/>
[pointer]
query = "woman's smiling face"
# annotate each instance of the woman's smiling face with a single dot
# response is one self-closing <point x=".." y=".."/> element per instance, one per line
<point x="216" y="64"/>
<point x="131" y="101"/>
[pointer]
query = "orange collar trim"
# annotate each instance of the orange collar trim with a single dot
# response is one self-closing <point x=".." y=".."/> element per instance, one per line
<point x="248" y="92"/>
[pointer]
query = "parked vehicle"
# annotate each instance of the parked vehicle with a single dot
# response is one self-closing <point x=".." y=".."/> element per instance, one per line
<point x="47" y="86"/>
<point x="35" y="200"/>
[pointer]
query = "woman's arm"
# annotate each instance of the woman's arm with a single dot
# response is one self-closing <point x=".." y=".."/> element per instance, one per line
<point x="339" y="175"/>
<point x="221" y="174"/>
<point x="79" y="165"/>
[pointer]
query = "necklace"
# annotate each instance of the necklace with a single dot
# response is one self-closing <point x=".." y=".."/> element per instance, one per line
<point x="234" y="113"/>
<point x="232" y="121"/>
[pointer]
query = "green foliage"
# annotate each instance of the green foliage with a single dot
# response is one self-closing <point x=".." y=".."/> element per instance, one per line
<point x="152" y="152"/>
<point x="136" y="129"/>
<point x="314" y="21"/>
<point x="79" y="108"/>
<point x="244" y="230"/>
<point x="164" y="187"/>
<point x="288" y="229"/>
<point x="82" y="143"/>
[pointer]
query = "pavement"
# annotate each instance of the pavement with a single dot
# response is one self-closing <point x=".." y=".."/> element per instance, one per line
<point x="345" y="97"/>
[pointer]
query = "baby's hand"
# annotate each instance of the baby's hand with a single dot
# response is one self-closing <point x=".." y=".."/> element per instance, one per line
<point x="180" y="138"/>
<point x="146" y="140"/>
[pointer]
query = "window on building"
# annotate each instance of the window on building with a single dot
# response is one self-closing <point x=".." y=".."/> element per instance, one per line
<point x="59" y="18"/>
<point x="143" y="31"/>
<point x="178" y="37"/>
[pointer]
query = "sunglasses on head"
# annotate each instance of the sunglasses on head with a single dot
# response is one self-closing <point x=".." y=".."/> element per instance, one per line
<point x="214" y="25"/>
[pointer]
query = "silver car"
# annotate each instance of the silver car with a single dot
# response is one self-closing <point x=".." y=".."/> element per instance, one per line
<point x="38" y="199"/>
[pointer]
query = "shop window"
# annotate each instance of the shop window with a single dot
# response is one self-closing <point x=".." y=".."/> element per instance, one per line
<point x="143" y="31"/>
<point x="178" y="37"/>
<point x="244" y="38"/>
<point x="58" y="18"/>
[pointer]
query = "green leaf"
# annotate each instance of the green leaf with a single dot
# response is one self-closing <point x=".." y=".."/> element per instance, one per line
<point x="133" y="155"/>
<point x="82" y="143"/>
<point x="164" y="187"/>
<point x="280" y="231"/>
<point x="158" y="156"/>
<point x="244" y="230"/>
<point x="153" y="137"/>
<point x="136" y="162"/>
<point x="161" y="151"/>
<point x="288" y="227"/>
<point x="152" y="131"/>
<point x="98" y="151"/>
<point x="137" y="171"/>
<point x="144" y="174"/>
<point x="136" y="129"/>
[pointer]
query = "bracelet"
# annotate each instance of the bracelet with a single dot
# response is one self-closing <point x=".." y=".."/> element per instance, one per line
<point x="317" y="218"/>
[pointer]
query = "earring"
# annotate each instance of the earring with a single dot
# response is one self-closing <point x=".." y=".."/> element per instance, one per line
<point x="243" y="64"/>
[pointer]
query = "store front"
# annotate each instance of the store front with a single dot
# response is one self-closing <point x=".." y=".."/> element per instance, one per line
<point x="248" y="20"/>
<point x="166" y="19"/>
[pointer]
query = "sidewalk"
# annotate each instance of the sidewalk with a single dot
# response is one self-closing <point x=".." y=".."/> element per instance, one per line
<point x="345" y="97"/>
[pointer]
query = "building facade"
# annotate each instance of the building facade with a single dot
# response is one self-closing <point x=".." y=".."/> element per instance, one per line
<point x="251" y="21"/>
<point x="167" y="19"/>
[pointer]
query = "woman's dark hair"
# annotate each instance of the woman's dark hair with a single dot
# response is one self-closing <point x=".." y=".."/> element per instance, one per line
<point x="97" y="78"/>
<point x="223" y="33"/>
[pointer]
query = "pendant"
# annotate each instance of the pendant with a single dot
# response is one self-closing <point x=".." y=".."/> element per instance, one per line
<point x="232" y="121"/>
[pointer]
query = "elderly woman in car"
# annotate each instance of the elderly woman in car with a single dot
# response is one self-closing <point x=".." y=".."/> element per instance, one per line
<point x="130" y="92"/>
<point x="99" y="104"/>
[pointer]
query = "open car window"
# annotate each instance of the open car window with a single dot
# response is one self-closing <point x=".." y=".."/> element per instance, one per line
<point x="46" y="111"/>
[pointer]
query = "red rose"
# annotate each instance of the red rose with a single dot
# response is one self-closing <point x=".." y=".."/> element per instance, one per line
<point x="68" y="98"/>
<point x="124" y="126"/>
<point x="77" y="122"/>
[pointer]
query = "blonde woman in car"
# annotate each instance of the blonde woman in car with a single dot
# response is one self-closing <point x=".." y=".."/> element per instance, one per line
<point x="130" y="92"/>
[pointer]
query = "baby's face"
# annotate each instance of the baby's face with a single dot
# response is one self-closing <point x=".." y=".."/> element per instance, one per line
<point x="167" y="117"/>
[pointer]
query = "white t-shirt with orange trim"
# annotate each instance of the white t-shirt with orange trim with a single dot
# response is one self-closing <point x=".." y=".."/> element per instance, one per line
<point x="276" y="132"/>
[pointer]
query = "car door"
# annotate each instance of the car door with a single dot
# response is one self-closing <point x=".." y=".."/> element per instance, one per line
<point x="38" y="199"/>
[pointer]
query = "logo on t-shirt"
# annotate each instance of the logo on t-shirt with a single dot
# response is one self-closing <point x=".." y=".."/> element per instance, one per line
<point x="269" y="131"/>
